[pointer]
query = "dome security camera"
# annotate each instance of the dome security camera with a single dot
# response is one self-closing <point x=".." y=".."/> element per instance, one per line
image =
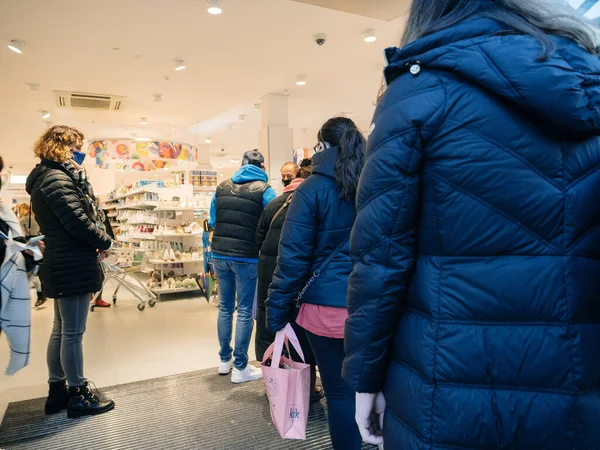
<point x="320" y="38"/>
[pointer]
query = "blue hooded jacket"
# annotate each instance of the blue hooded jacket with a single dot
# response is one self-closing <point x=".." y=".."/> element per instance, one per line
<point x="245" y="174"/>
<point x="475" y="297"/>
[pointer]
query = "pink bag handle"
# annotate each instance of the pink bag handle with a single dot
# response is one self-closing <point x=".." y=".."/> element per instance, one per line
<point x="276" y="348"/>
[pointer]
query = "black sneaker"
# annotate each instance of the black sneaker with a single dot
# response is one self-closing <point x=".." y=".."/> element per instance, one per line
<point x="58" y="398"/>
<point x="85" y="402"/>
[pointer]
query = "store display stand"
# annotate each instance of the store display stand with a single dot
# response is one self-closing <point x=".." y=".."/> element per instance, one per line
<point x="155" y="221"/>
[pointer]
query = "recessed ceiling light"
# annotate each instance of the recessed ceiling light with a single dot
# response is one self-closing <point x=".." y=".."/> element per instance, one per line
<point x="369" y="35"/>
<point x="157" y="98"/>
<point x="242" y="117"/>
<point x="207" y="140"/>
<point x="214" y="7"/>
<point x="45" y="115"/>
<point x="221" y="174"/>
<point x="179" y="65"/>
<point x="16" y="46"/>
<point x="143" y="121"/>
<point x="235" y="161"/>
<point x="33" y="87"/>
<point x="301" y="81"/>
<point x="257" y="107"/>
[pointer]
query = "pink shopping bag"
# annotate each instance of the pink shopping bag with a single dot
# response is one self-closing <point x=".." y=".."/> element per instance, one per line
<point x="288" y="386"/>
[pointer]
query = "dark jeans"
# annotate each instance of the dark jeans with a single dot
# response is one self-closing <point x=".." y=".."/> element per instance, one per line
<point x="65" y="349"/>
<point x="236" y="279"/>
<point x="341" y="402"/>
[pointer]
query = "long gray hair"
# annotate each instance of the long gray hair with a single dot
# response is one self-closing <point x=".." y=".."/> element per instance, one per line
<point x="538" y="18"/>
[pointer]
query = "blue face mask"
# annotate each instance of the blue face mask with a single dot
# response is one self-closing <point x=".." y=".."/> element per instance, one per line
<point x="78" y="157"/>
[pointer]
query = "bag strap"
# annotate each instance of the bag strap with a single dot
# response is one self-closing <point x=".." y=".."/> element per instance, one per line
<point x="30" y="213"/>
<point x="317" y="273"/>
<point x="280" y="210"/>
<point x="275" y="350"/>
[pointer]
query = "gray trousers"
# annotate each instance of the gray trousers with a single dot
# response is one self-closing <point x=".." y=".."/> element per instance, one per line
<point x="65" y="349"/>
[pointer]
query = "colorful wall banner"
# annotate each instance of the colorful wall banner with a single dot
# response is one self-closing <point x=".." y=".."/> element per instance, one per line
<point x="140" y="156"/>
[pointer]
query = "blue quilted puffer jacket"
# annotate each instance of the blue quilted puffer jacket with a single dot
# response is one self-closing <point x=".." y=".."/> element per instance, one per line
<point x="475" y="296"/>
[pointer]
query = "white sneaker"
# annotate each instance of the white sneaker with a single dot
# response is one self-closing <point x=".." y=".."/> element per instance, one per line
<point x="225" y="368"/>
<point x="250" y="373"/>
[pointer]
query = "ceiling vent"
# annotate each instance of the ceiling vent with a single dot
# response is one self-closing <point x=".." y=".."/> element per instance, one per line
<point x="98" y="102"/>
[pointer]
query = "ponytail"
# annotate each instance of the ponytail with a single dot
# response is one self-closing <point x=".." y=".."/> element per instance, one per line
<point x="343" y="133"/>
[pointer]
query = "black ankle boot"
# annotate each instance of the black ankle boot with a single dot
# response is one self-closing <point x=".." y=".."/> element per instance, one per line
<point x="58" y="398"/>
<point x="41" y="299"/>
<point x="85" y="402"/>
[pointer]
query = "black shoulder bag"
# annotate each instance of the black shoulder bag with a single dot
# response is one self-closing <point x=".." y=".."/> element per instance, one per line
<point x="317" y="273"/>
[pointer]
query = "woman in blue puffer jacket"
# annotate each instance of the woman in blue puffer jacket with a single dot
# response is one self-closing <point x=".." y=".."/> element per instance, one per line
<point x="473" y="302"/>
<point x="315" y="238"/>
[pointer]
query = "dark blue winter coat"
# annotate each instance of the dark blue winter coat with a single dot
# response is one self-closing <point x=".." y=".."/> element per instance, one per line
<point x="475" y="295"/>
<point x="317" y="222"/>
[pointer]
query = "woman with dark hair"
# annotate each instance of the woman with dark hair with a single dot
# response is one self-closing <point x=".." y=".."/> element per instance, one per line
<point x="314" y="261"/>
<point x="473" y="302"/>
<point x="65" y="207"/>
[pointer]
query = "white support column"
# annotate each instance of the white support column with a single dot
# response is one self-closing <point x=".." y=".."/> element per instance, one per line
<point x="276" y="138"/>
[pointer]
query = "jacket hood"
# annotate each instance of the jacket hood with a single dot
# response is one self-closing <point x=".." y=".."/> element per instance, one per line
<point x="564" y="89"/>
<point x="293" y="185"/>
<point x="248" y="173"/>
<point x="38" y="170"/>
<point x="323" y="163"/>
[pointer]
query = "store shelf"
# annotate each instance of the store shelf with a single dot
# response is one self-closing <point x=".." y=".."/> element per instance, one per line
<point x="137" y="206"/>
<point x="109" y="207"/>
<point x="205" y="188"/>
<point x="178" y="235"/>
<point x="143" y="236"/>
<point x="175" y="209"/>
<point x="157" y="262"/>
<point x="132" y="193"/>
<point x="112" y="215"/>
<point x="141" y="222"/>
<point x="174" y="291"/>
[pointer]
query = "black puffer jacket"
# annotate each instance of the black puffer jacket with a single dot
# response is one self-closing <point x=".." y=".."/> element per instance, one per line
<point x="267" y="239"/>
<point x="318" y="221"/>
<point x="72" y="238"/>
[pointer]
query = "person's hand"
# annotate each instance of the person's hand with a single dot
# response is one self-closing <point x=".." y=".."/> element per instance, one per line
<point x="370" y="409"/>
<point x="41" y="246"/>
<point x="102" y="256"/>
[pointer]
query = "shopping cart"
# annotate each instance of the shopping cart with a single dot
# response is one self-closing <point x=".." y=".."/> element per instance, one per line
<point x="125" y="277"/>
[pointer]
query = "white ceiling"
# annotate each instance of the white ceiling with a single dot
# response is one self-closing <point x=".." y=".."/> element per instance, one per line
<point x="255" y="47"/>
<point x="377" y="9"/>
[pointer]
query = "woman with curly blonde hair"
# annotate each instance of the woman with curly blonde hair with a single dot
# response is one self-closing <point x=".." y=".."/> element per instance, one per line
<point x="65" y="207"/>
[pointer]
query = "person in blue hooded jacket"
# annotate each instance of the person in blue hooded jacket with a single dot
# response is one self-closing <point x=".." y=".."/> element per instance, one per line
<point x="474" y="312"/>
<point x="234" y="215"/>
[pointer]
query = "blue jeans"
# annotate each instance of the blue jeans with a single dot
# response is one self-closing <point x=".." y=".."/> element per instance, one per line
<point x="341" y="400"/>
<point x="65" y="349"/>
<point x="239" y="278"/>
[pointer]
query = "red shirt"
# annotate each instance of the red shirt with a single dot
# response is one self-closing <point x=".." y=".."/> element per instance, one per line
<point x="325" y="321"/>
